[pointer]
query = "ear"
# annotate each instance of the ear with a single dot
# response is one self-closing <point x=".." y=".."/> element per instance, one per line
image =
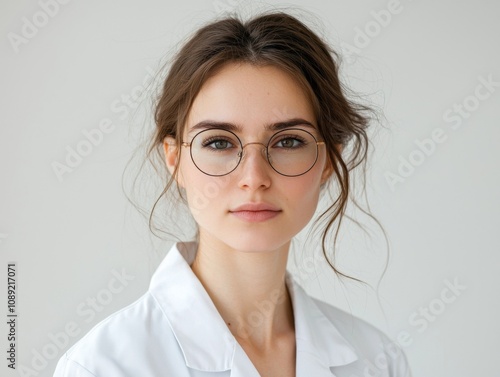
<point x="172" y="157"/>
<point x="328" y="170"/>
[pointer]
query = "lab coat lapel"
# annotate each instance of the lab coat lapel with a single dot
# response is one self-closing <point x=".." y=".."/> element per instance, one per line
<point x="208" y="345"/>
<point x="309" y="365"/>
<point x="242" y="365"/>
<point x="205" y="341"/>
<point x="319" y="344"/>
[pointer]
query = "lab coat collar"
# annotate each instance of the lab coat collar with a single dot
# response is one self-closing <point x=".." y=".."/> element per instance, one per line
<point x="205" y="340"/>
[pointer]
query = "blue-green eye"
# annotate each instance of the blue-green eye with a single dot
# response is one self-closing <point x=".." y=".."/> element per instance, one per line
<point x="217" y="143"/>
<point x="290" y="142"/>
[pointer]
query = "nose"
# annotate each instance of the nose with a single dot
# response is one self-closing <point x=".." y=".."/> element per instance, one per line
<point x="254" y="167"/>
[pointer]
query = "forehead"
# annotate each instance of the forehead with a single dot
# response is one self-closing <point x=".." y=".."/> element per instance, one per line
<point x="250" y="97"/>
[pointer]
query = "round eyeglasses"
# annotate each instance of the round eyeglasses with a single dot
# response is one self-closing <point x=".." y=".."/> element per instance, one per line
<point x="290" y="152"/>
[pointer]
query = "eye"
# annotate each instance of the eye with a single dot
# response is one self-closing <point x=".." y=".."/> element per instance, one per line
<point x="217" y="143"/>
<point x="290" y="142"/>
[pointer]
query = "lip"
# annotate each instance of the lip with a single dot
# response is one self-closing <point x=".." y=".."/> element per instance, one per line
<point x="255" y="212"/>
<point x="256" y="207"/>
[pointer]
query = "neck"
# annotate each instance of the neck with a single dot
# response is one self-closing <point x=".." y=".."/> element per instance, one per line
<point x="248" y="289"/>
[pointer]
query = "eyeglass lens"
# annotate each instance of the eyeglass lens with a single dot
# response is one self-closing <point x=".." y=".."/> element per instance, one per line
<point x="291" y="152"/>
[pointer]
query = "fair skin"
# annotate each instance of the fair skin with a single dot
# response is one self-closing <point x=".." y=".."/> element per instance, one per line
<point x="242" y="264"/>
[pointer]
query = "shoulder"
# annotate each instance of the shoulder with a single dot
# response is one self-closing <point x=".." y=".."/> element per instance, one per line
<point x="377" y="353"/>
<point x="120" y="342"/>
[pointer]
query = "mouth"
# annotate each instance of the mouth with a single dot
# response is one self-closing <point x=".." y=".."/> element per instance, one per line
<point x="255" y="216"/>
<point x="256" y="211"/>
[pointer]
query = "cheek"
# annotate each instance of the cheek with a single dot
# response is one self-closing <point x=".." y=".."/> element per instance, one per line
<point x="305" y="190"/>
<point x="302" y="193"/>
<point x="203" y="192"/>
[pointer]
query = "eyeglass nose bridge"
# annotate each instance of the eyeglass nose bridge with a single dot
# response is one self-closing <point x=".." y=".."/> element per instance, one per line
<point x="263" y="151"/>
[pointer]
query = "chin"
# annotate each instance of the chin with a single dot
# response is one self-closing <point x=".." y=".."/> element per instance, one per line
<point x="252" y="243"/>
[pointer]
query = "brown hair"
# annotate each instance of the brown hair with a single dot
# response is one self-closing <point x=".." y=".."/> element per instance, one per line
<point x="280" y="40"/>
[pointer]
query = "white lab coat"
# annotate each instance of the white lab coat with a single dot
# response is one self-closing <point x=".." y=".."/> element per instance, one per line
<point x="175" y="330"/>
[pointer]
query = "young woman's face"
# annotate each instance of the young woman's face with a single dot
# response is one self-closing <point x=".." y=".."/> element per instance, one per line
<point x="250" y="97"/>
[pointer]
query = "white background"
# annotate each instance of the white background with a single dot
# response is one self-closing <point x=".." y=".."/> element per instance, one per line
<point x="68" y="235"/>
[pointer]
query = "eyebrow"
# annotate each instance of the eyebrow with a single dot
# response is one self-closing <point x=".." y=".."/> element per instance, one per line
<point x="208" y="124"/>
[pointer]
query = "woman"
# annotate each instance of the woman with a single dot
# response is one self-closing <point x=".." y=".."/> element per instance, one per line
<point x="253" y="121"/>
